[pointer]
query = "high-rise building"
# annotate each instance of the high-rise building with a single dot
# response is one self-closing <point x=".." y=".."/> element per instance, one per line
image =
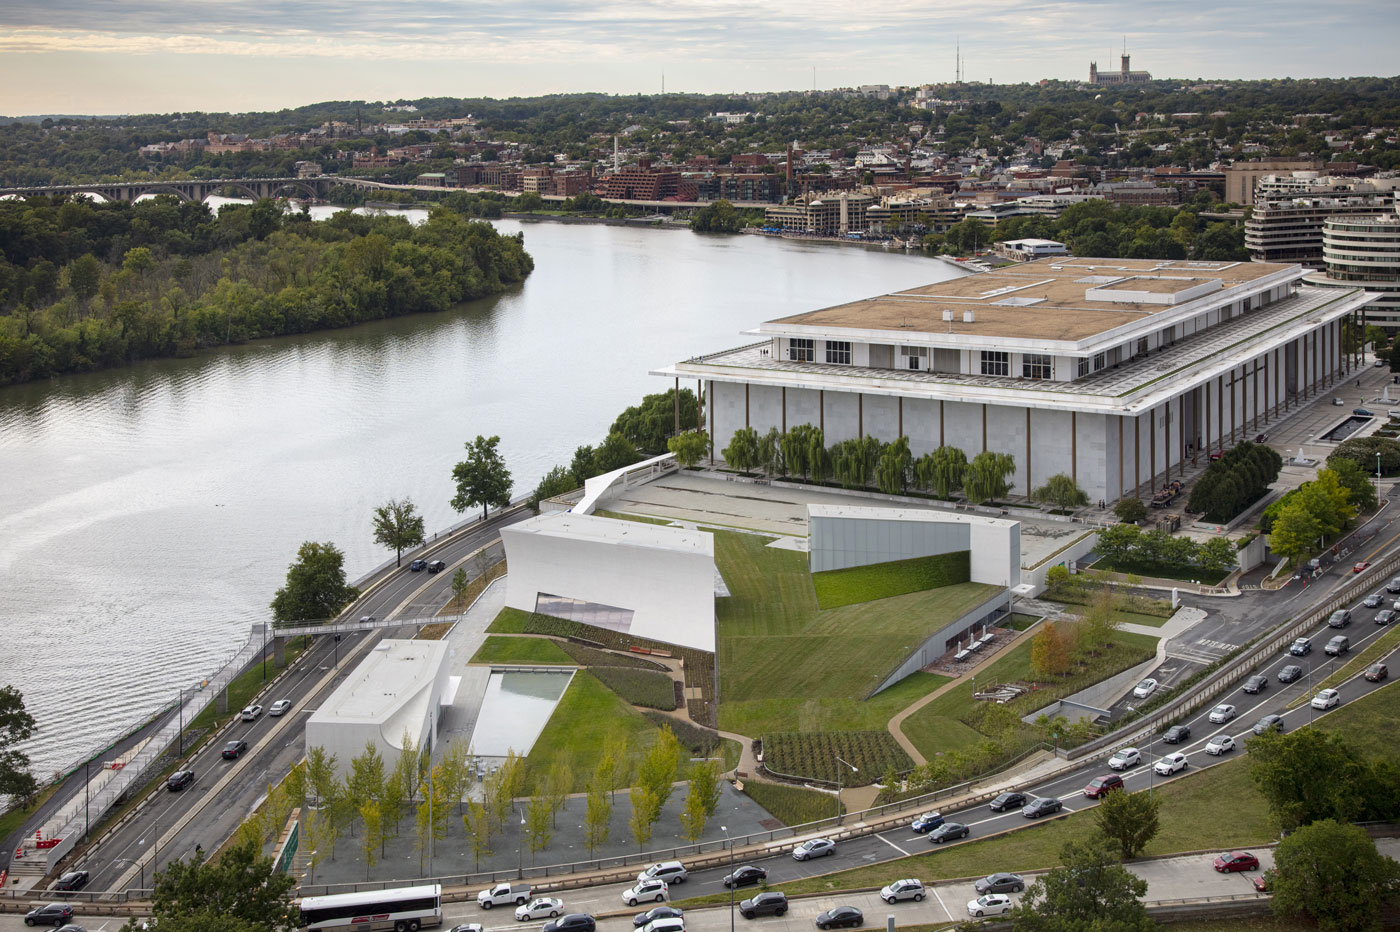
<point x="1364" y="252"/>
<point x="1289" y="211"/>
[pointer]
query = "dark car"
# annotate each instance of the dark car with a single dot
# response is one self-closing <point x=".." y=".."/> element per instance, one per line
<point x="1041" y="805"/>
<point x="656" y="912"/>
<point x="1385" y="616"/>
<point x="1373" y="600"/>
<point x="1099" y="787"/>
<point x="948" y="831"/>
<point x="926" y="822"/>
<point x="180" y="779"/>
<point x="1256" y="684"/>
<point x="1376" y="672"/>
<point x="234" y="748"/>
<point x="50" y="914"/>
<point x="73" y="880"/>
<point x="1290" y="673"/>
<point x="1236" y="861"/>
<point x="571" y="922"/>
<point x="436" y="566"/>
<point x="1176" y="734"/>
<point x="746" y="876"/>
<point x="1337" y="646"/>
<point x="1339" y="619"/>
<point x="771" y="903"/>
<point x="1000" y="883"/>
<point x="841" y="917"/>
<point x="1008" y="801"/>
<point x="417" y="566"/>
<point x="1267" y="722"/>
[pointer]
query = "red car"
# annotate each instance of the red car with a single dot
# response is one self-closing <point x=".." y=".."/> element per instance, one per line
<point x="1264" y="881"/>
<point x="1360" y="567"/>
<point x="1100" y="787"/>
<point x="1236" y="861"/>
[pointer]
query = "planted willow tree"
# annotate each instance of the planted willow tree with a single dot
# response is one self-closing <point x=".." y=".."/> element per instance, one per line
<point x="742" y="452"/>
<point x="795" y="445"/>
<point x="853" y="461"/>
<point x="1061" y="491"/>
<point x="689" y="447"/>
<point x="818" y="459"/>
<point x="988" y="477"/>
<point x="942" y="471"/>
<point x="770" y="452"/>
<point x="892" y="471"/>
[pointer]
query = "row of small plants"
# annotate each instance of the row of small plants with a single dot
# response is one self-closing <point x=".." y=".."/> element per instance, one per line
<point x="814" y="755"/>
<point x="639" y="687"/>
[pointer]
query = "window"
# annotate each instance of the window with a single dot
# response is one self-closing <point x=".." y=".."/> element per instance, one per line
<point x="1083" y="367"/>
<point x="1037" y="366"/>
<point x="838" y="351"/>
<point x="915" y="357"/>
<point x="800" y="350"/>
<point x="994" y="363"/>
<point x="1100" y="361"/>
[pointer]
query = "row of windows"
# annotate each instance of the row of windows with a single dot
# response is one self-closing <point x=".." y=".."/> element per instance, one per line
<point x="802" y="350"/>
<point x="428" y="904"/>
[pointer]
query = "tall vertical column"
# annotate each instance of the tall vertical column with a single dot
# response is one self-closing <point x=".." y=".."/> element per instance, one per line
<point x="1152" y="450"/>
<point x="1137" y="456"/>
<point x="1121" y="486"/>
<point x="710" y="404"/>
<point x="1074" y="446"/>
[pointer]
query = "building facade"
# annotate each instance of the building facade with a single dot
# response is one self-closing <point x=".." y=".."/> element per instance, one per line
<point x="1116" y="372"/>
<point x="1122" y="76"/>
<point x="1364" y="252"/>
<point x="1289" y="211"/>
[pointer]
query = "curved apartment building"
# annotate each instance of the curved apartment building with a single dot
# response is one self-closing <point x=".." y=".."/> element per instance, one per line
<point x="1364" y="252"/>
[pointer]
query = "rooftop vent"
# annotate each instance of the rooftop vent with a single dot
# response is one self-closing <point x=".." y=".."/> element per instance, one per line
<point x="968" y="317"/>
<point x="948" y="315"/>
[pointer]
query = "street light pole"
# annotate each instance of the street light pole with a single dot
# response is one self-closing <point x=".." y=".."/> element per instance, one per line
<point x="519" y="844"/>
<point x="839" y="775"/>
<point x="1310" y="707"/>
<point x="730" y="842"/>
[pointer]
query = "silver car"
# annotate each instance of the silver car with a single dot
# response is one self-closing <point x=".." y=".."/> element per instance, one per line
<point x="814" y="848"/>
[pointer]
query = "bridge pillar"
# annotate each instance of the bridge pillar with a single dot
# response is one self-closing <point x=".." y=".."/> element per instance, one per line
<point x="221" y="702"/>
<point x="279" y="652"/>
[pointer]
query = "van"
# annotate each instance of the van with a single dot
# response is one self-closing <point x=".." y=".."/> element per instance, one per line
<point x="669" y="871"/>
<point x="1337" y="646"/>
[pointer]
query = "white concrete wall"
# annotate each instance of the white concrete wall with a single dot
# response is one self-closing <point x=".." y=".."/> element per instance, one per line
<point x="842" y="536"/>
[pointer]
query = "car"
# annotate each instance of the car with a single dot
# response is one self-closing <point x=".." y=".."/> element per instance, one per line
<point x="1393" y="586"/>
<point x="1376" y="672"/>
<point x="1360" y="567"/>
<point x="771" y="903"/>
<point x="73" y="880"/>
<point x="1326" y="698"/>
<point x="232" y="749"/>
<point x="1008" y="801"/>
<point x="1176" y="734"/>
<point x="1256" y="684"/>
<point x="1378" y="364"/>
<point x="642" y="890"/>
<point x="1220" y="744"/>
<point x="278" y="708"/>
<point x="1169" y="764"/>
<point x="1124" y="758"/>
<point x="949" y="831"/>
<point x="1144" y="689"/>
<point x="179" y="780"/>
<point x="1041" y="805"/>
<point x="1339" y="619"/>
<point x="1000" y="883"/>
<point x="1374" y="600"/>
<point x="1221" y="713"/>
<point x="666" y="924"/>
<point x="1216" y="455"/>
<point x="418" y="566"/>
<point x="1260" y="438"/>
<point x="1290" y="673"/>
<point x="468" y="927"/>
<point x="1300" y="647"/>
<point x="1363" y="412"/>
<point x="366" y="619"/>
<point x="1337" y="646"/>
<point x="1385" y="616"/>
<point x="251" y="713"/>
<point x="50" y="914"/>
<point x="1270" y="721"/>
<point x="436" y="566"/>
<point x="841" y="917"/>
<point x="992" y="904"/>
<point x="1265" y="881"/>
<point x="573" y="922"/>
<point x="745" y="876"/>
<point x="72" y="928"/>
<point x="1337" y="402"/>
<point x="670" y="871"/>
<point x="926" y="822"/>
<point x="813" y="848"/>
<point x="909" y="889"/>
<point x="1236" y="861"/>
<point x="541" y="907"/>
<point x="1101" y="786"/>
<point x="655" y="913"/>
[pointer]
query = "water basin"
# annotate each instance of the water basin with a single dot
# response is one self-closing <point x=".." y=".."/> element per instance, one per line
<point x="1346" y="428"/>
<point x="514" y="710"/>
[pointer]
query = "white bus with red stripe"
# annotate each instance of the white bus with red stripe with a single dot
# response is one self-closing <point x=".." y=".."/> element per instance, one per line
<point x="402" y="909"/>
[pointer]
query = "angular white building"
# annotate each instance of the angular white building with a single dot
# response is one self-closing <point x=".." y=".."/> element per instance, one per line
<point x="1114" y="371"/>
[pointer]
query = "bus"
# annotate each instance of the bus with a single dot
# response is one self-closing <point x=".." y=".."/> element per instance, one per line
<point x="403" y="909"/>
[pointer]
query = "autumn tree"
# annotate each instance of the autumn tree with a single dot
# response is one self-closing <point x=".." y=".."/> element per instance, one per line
<point x="1049" y="652"/>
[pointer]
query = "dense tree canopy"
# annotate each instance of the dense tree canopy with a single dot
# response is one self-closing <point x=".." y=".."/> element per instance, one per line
<point x="316" y="588"/>
<point x="16" y="725"/>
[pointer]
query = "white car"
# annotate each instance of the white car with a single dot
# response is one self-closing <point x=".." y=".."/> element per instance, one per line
<point x="653" y="890"/>
<point x="903" y="890"/>
<point x="1144" y="689"/>
<point x="1125" y="758"/>
<point x="278" y="707"/>
<point x="1222" y="713"/>
<point x="541" y="907"/>
<point x="1170" y="763"/>
<point x="1220" y="744"/>
<point x="990" y="904"/>
<point x="815" y="848"/>
<point x="1326" y="698"/>
<point x="251" y="713"/>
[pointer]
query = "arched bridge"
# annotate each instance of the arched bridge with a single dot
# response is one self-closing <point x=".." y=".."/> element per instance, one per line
<point x="254" y="188"/>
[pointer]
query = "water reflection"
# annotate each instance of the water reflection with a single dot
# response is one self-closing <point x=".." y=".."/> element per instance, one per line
<point x="515" y="709"/>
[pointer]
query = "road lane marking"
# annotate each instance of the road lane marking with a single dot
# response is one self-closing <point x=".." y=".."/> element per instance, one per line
<point x="934" y="890"/>
<point x="893" y="845"/>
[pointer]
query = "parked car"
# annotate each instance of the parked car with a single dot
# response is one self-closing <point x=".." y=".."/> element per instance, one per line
<point x="418" y="566"/>
<point x="71" y="881"/>
<point x="1008" y="801"/>
<point x="50" y="914"/>
<point x="503" y="894"/>
<point x="1144" y="689"/>
<point x="841" y="917"/>
<point x="179" y="780"/>
<point x="436" y="566"/>
<point x="949" y="831"/>
<point x="1290" y="673"/>
<point x="655" y="913"/>
<point x="1124" y="758"/>
<point x="573" y="922"/>
<point x="1169" y="764"/>
<point x="1176" y="734"/>
<point x="771" y="903"/>
<point x="993" y="904"/>
<point x="670" y="871"/>
<point x="1337" y="402"/>
<point x="232" y="749"/>
<point x="1385" y="616"/>
<point x="464" y="927"/>
<point x="745" y="876"/>
<point x="909" y="889"/>
<point x="1101" y="786"/>
<point x="1000" y="883"/>
<point x="1221" y="713"/>
<point x="1300" y="647"/>
<point x="813" y="848"/>
<point x="1041" y="805"/>
<point x="279" y="707"/>
<point x="541" y="907"/>
<point x="1363" y="412"/>
<point x="1271" y="721"/>
<point x="1236" y="861"/>
<point x="926" y="822"/>
<point x="1376" y="672"/>
<point x="1337" y="646"/>
<point x="1265" y="881"/>
<point x="643" y="890"/>
<point x="1326" y="698"/>
<point x="1374" y="600"/>
<point x="1339" y="619"/>
<point x="1220" y="744"/>
<point x="1260" y="438"/>
<point x="1256" y="684"/>
<point x="665" y="924"/>
<point x="251" y="713"/>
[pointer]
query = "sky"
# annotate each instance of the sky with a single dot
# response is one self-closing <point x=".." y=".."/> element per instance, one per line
<point x="143" y="56"/>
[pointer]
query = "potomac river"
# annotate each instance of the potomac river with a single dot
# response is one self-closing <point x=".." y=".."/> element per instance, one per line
<point x="147" y="514"/>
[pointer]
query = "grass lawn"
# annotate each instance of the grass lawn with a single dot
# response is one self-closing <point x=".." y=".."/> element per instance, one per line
<point x="586" y="716"/>
<point x="520" y="650"/>
<point x="1019" y="621"/>
<point x="1194" y="573"/>
<point x="792" y="805"/>
<point x="825" y="713"/>
<point x="243" y="688"/>
<point x="857" y="584"/>
<point x="1137" y="618"/>
<point x="1368" y="724"/>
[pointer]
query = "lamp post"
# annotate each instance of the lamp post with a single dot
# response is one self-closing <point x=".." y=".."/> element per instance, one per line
<point x="1310" y="707"/>
<point x="519" y="844"/>
<point x="839" y="775"/>
<point x="140" y="864"/>
<point x="1378" y="479"/>
<point x="730" y="842"/>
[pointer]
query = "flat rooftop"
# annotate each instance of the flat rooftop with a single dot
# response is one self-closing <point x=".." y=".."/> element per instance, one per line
<point x="889" y="513"/>
<point x="396" y="674"/>
<point x="1048" y="299"/>
<point x="609" y="531"/>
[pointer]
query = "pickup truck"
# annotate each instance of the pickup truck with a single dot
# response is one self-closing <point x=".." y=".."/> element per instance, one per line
<point x="503" y="894"/>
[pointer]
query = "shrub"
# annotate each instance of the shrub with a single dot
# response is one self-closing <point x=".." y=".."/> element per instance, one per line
<point x="701" y="742"/>
<point x="792" y="805"/>
<point x="813" y="755"/>
<point x="592" y="657"/>
<point x="639" y="687"/>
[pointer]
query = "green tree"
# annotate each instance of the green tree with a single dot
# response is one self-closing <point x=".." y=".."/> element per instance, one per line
<point x="320" y="839"/>
<point x="853" y="461"/>
<point x="1090" y="890"/>
<point x="1061" y="491"/>
<point x="316" y="588"/>
<point x="320" y="773"/>
<point x="1130" y="819"/>
<point x="693" y="816"/>
<point x="1307" y="775"/>
<point x="454" y="772"/>
<point x="1332" y="874"/>
<point x="795" y="446"/>
<point x="1360" y="486"/>
<point x="892" y="470"/>
<point x="482" y="478"/>
<point x="539" y="825"/>
<point x="717" y="217"/>
<point x="597" y="816"/>
<point x="366" y="780"/>
<point x="477" y="822"/>
<point x="942" y="471"/>
<point x="459" y="583"/>
<point x="84" y="276"/>
<point x="1328" y="501"/>
<point x="818" y="459"/>
<point x="16" y="726"/>
<point x="987" y="477"/>
<point x="1296" y="532"/>
<point x="648" y="425"/>
<point x="690" y="447"/>
<point x="1130" y="510"/>
<point x="770" y="452"/>
<point x="398" y="526"/>
<point x="555" y="482"/>
<point x="1217" y="554"/>
<point x="742" y="452"/>
<point x="646" y="809"/>
<point x="243" y="885"/>
<point x="372" y="841"/>
<point x="557" y="787"/>
<point x="1049" y="652"/>
<point x="615" y="452"/>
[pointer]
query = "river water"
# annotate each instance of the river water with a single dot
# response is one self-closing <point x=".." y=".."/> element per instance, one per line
<point x="148" y="514"/>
